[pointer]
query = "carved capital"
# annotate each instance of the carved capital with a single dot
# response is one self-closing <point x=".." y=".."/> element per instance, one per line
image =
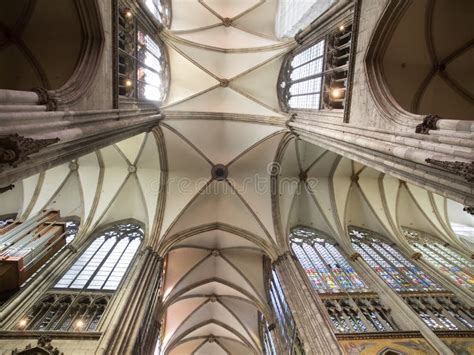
<point x="298" y="38"/>
<point x="72" y="248"/>
<point x="468" y="209"/>
<point x="354" y="256"/>
<point x="224" y="83"/>
<point x="15" y="149"/>
<point x="43" y="346"/>
<point x="45" y="98"/>
<point x="459" y="168"/>
<point x="416" y="256"/>
<point x="6" y="188"/>
<point x="429" y="123"/>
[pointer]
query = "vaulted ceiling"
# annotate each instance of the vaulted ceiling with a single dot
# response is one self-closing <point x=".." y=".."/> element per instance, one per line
<point x="222" y="111"/>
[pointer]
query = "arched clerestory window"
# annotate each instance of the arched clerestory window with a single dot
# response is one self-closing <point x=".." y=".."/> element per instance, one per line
<point x="314" y="76"/>
<point x="436" y="306"/>
<point x="79" y="298"/>
<point x="447" y="260"/>
<point x="142" y="60"/>
<point x="351" y="305"/>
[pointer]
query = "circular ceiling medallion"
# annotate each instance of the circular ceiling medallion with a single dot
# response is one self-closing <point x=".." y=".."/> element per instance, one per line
<point x="219" y="172"/>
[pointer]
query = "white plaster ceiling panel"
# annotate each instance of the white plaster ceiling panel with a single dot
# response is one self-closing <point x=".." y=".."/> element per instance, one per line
<point x="218" y="204"/>
<point x="230" y="8"/>
<point x="369" y="186"/>
<point x="229" y="38"/>
<point x="288" y="184"/>
<point x="216" y="239"/>
<point x="71" y="190"/>
<point x="187" y="347"/>
<point x="211" y="349"/>
<point x="129" y="202"/>
<point x="309" y="214"/>
<point x="250" y="263"/>
<point x="149" y="175"/>
<point x="341" y="181"/>
<point x="226" y="65"/>
<point x="234" y="347"/>
<point x="213" y="328"/>
<point x="188" y="173"/>
<point x="12" y="200"/>
<point x="178" y="312"/>
<point x="421" y="198"/>
<point x="217" y="288"/>
<point x="131" y="147"/>
<point x="53" y="180"/>
<point x="231" y="137"/>
<point x="247" y="314"/>
<point x="180" y="262"/>
<point x="187" y="79"/>
<point x="190" y="15"/>
<point x="224" y="100"/>
<point x="89" y="174"/>
<point x="250" y="175"/>
<point x="359" y="213"/>
<point x="115" y="174"/>
<point x="260" y="21"/>
<point x="257" y="82"/>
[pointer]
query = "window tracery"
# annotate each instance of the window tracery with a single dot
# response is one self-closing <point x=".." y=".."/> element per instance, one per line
<point x="445" y="259"/>
<point x="142" y="66"/>
<point x="350" y="304"/>
<point x="66" y="313"/>
<point x="314" y="76"/>
<point x="80" y="297"/>
<point x="161" y="10"/>
<point x="436" y="306"/>
<point x="266" y="330"/>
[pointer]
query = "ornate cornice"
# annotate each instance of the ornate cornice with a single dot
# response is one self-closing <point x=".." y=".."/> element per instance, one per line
<point x="429" y="123"/>
<point x="459" y="168"/>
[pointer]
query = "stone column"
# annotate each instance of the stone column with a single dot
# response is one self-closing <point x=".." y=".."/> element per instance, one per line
<point x="132" y="326"/>
<point x="307" y="309"/>
<point x="34" y="140"/>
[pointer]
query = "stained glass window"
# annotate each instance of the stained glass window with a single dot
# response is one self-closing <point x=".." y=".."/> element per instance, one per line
<point x="450" y="262"/>
<point x="394" y="268"/>
<point x="327" y="269"/>
<point x="104" y="263"/>
<point x="267" y="336"/>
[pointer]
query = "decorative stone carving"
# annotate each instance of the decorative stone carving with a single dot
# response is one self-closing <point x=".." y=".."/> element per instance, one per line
<point x="429" y="123"/>
<point x="43" y="346"/>
<point x="469" y="209"/>
<point x="15" y="149"/>
<point x="46" y="99"/>
<point x="463" y="169"/>
<point x="354" y="256"/>
<point x="416" y="256"/>
<point x="227" y="22"/>
<point x="211" y="339"/>
<point x="224" y="83"/>
<point x="6" y="188"/>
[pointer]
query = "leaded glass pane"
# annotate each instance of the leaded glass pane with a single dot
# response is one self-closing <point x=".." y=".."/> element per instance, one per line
<point x="104" y="263"/>
<point x="326" y="268"/>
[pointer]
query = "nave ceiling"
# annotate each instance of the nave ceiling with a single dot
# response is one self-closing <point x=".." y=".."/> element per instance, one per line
<point x="222" y="108"/>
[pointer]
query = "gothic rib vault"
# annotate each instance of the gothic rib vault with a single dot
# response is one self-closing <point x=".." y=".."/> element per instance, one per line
<point x="222" y="108"/>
